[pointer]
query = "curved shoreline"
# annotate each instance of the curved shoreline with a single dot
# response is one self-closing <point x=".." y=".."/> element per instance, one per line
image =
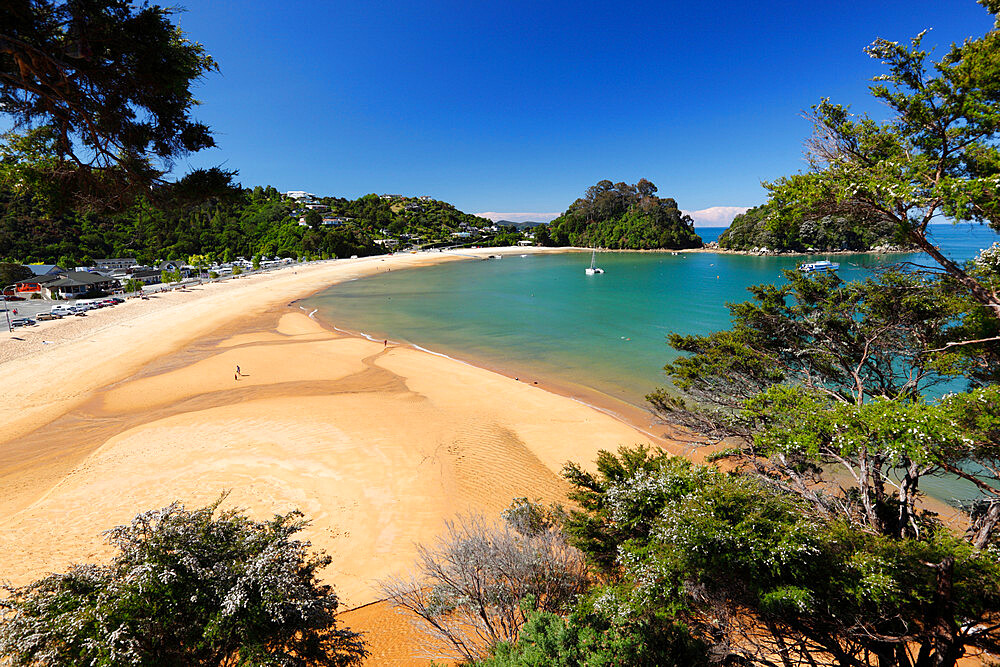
<point x="377" y="443"/>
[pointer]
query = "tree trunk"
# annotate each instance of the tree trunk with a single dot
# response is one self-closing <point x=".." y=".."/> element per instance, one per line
<point x="944" y="647"/>
<point x="907" y="499"/>
<point x="984" y="531"/>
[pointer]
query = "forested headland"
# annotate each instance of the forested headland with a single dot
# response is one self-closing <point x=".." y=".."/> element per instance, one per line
<point x="621" y="216"/>
<point x="770" y="228"/>
<point x="232" y="222"/>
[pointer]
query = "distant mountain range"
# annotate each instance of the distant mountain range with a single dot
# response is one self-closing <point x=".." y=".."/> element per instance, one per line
<point x="519" y="225"/>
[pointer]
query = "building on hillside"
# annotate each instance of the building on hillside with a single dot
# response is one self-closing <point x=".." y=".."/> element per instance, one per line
<point x="76" y="284"/>
<point x="116" y="263"/>
<point x="525" y="242"/>
<point x="387" y="243"/>
<point x="46" y="269"/>
<point x="390" y="197"/>
<point x="300" y="195"/>
<point x="317" y="207"/>
<point x="424" y="198"/>
<point x="461" y="235"/>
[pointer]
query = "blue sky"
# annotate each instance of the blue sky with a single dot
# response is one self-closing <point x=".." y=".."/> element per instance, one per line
<point x="518" y="107"/>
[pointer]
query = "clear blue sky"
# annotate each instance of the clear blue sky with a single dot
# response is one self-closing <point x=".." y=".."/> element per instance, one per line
<point x="517" y="106"/>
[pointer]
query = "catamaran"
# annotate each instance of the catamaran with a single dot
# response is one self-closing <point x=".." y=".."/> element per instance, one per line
<point x="593" y="268"/>
<point x="822" y="265"/>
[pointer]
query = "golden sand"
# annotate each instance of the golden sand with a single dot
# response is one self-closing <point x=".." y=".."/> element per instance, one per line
<point x="131" y="410"/>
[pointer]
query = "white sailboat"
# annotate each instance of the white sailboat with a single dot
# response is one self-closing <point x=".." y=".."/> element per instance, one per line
<point x="593" y="268"/>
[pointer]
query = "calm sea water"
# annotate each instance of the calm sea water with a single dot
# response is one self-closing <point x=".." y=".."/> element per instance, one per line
<point x="540" y="316"/>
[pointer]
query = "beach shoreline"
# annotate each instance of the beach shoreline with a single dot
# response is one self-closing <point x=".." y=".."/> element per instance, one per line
<point x="378" y="444"/>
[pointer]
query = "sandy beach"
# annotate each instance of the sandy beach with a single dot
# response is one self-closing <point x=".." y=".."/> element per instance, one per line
<point x="138" y="406"/>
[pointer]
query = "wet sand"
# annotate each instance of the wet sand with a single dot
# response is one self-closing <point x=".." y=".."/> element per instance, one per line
<point x="378" y="445"/>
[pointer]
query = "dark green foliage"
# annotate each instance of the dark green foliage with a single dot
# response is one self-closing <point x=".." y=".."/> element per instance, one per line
<point x="758" y="573"/>
<point x="592" y="528"/>
<point x="432" y="220"/>
<point x="819" y="372"/>
<point x="186" y="588"/>
<point x="12" y="273"/>
<point x="251" y="222"/>
<point x="772" y="227"/>
<point x="592" y="638"/>
<point x="621" y="216"/>
<point x="174" y="223"/>
<point x="112" y="80"/>
<point x="933" y="153"/>
<point x="132" y="285"/>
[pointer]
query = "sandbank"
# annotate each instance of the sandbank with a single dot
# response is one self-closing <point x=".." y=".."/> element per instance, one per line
<point x="136" y="407"/>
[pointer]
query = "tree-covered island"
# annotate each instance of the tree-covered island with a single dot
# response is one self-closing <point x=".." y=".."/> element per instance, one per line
<point x="770" y="228"/>
<point x="621" y="217"/>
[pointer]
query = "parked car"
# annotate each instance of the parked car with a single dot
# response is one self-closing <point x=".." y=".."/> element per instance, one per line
<point x="41" y="317"/>
<point x="23" y="322"/>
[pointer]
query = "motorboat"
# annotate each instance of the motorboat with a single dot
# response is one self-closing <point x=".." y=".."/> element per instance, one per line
<point x="822" y="265"/>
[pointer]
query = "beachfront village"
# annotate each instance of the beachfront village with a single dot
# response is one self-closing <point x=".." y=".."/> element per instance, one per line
<point x="98" y="284"/>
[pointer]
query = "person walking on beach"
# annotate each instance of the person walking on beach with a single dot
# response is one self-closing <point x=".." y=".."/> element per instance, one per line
<point x="385" y="344"/>
<point x="238" y="370"/>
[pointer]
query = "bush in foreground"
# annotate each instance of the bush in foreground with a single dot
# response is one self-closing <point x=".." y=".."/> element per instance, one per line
<point x="476" y="586"/>
<point x="187" y="588"/>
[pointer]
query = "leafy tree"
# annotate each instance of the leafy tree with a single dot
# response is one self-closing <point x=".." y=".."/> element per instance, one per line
<point x="595" y="636"/>
<point x="762" y="577"/>
<point x="820" y="373"/>
<point x="12" y="273"/>
<point x="199" y="587"/>
<point x="936" y="155"/>
<point x="112" y="81"/>
<point x="789" y="229"/>
<point x="199" y="262"/>
<point x="132" y="285"/>
<point x="313" y="219"/>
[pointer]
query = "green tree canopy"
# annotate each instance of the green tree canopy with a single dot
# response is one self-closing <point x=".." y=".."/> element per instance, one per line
<point x="935" y="155"/>
<point x="619" y="215"/>
<point x="199" y="587"/>
<point x="761" y="577"/>
<point x="113" y="82"/>
<point x="12" y="273"/>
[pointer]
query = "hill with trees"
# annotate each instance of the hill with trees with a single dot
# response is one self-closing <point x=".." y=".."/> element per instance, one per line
<point x="237" y="222"/>
<point x="621" y="216"/>
<point x="787" y="230"/>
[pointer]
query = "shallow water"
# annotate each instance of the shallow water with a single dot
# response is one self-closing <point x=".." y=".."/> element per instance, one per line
<point x="540" y="316"/>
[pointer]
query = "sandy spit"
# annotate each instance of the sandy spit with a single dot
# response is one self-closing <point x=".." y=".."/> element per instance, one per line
<point x="134" y="407"/>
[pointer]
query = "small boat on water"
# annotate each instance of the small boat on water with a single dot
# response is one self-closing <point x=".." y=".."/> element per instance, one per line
<point x="593" y="268"/>
<point x="822" y="265"/>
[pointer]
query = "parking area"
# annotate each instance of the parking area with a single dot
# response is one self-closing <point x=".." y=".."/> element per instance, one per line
<point x="31" y="308"/>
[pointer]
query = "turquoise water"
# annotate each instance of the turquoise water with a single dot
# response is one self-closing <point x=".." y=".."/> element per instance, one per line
<point x="540" y="316"/>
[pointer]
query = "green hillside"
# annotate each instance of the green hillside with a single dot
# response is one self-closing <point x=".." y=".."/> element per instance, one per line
<point x="621" y="216"/>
